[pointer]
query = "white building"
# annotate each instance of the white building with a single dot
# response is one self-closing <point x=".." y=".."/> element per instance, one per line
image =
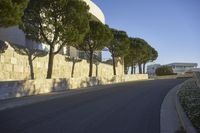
<point x="181" y="68"/>
<point x="17" y="36"/>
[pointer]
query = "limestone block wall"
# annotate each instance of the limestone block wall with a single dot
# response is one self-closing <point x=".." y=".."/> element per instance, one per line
<point x="14" y="75"/>
<point x="16" y="67"/>
<point x="13" y="89"/>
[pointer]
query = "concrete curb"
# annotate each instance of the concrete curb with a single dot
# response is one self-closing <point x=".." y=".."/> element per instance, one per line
<point x="169" y="121"/>
<point x="21" y="101"/>
<point x="172" y="116"/>
<point x="184" y="120"/>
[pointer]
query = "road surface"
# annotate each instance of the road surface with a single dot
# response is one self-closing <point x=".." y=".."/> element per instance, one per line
<point x="128" y="108"/>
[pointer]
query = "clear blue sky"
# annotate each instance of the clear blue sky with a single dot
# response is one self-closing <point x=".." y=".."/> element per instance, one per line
<point x="170" y="26"/>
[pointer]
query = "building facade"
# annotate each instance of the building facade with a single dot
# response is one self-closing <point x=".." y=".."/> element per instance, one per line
<point x="17" y="36"/>
<point x="179" y="68"/>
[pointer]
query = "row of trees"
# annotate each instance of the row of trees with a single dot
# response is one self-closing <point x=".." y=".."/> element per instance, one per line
<point x="140" y="53"/>
<point x="63" y="23"/>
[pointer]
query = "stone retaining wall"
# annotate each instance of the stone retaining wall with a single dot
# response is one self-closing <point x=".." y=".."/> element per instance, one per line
<point x="12" y="89"/>
<point x="15" y="75"/>
<point x="14" y="66"/>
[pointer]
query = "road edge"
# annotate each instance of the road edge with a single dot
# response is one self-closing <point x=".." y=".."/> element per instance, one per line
<point x="184" y="120"/>
<point x="22" y="101"/>
<point x="169" y="121"/>
<point x="172" y="116"/>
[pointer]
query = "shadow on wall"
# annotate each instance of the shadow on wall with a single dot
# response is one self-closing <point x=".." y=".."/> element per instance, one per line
<point x="12" y="89"/>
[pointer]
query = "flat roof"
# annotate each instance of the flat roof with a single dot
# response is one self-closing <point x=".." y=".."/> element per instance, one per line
<point x="182" y="64"/>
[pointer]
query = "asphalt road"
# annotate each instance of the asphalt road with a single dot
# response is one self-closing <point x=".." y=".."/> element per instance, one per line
<point x="127" y="108"/>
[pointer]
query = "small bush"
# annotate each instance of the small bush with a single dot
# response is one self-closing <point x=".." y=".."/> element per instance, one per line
<point x="164" y="70"/>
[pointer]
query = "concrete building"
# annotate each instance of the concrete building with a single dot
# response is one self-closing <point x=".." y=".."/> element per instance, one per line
<point x="181" y="68"/>
<point x="17" y="36"/>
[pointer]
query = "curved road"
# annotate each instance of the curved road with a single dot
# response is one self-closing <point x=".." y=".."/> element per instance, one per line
<point x="126" y="108"/>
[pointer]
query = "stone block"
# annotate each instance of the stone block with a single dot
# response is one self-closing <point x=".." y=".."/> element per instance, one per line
<point x="7" y="60"/>
<point x="13" y="60"/>
<point x="8" y="68"/>
<point x="18" y="68"/>
<point x="39" y="65"/>
<point x="9" y="53"/>
<point x="2" y="58"/>
<point x="5" y="75"/>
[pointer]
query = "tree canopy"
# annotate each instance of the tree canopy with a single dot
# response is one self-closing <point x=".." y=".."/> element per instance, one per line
<point x="164" y="70"/>
<point x="11" y="12"/>
<point x="96" y="39"/>
<point x="56" y="23"/>
<point x="140" y="52"/>
<point x="119" y="46"/>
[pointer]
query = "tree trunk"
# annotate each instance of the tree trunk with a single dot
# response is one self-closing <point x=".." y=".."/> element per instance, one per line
<point x="140" y="68"/>
<point x="50" y="63"/>
<point x="91" y="64"/>
<point x="96" y="70"/>
<point x="114" y="67"/>
<point x="73" y="66"/>
<point x="132" y="69"/>
<point x="30" y="61"/>
<point x="126" y="69"/>
<point x="144" y="66"/>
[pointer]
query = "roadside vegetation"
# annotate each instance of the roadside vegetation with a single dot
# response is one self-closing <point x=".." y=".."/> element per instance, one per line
<point x="65" y="23"/>
<point x="164" y="70"/>
<point x="190" y="99"/>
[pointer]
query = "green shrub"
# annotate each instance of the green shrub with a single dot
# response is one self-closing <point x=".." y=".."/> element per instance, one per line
<point x="164" y="70"/>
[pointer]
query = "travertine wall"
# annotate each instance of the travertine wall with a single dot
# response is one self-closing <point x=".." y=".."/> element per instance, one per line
<point x="14" y="75"/>
<point x="12" y="89"/>
<point x="16" y="67"/>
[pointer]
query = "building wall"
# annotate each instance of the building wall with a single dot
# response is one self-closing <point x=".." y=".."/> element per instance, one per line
<point x="95" y="11"/>
<point x="17" y="36"/>
<point x="181" y="68"/>
<point x="16" y="67"/>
